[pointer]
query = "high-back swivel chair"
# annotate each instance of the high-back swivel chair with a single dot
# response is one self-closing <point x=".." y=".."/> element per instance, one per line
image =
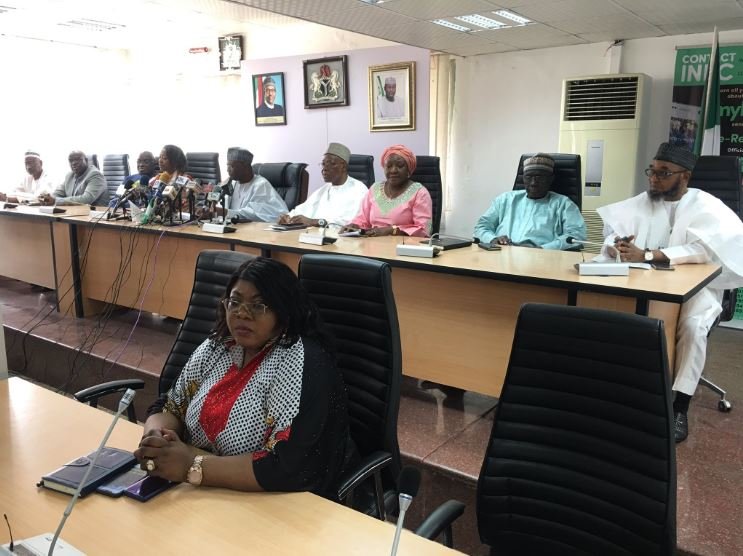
<point x="568" y="178"/>
<point x="582" y="456"/>
<point x="213" y="271"/>
<point x="720" y="176"/>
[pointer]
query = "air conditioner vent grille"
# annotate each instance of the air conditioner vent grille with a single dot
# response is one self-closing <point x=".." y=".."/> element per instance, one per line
<point x="613" y="98"/>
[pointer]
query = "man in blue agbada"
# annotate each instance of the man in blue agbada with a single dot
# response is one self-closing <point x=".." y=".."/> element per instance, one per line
<point x="534" y="216"/>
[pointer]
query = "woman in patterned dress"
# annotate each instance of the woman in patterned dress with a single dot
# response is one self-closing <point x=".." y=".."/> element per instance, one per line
<point x="261" y="395"/>
<point x="398" y="205"/>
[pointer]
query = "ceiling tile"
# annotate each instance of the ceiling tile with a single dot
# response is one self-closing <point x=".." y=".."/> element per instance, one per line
<point x="363" y="19"/>
<point x="532" y="36"/>
<point x="703" y="27"/>
<point x="435" y="9"/>
<point x="491" y="48"/>
<point x="692" y="14"/>
<point x="671" y="6"/>
<point x="628" y="26"/>
<point x="577" y="10"/>
<point x="303" y="8"/>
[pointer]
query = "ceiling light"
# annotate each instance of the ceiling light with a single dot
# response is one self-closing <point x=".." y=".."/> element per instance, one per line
<point x="92" y="24"/>
<point x="373" y="1"/>
<point x="450" y="25"/>
<point x="505" y="14"/>
<point x="481" y="21"/>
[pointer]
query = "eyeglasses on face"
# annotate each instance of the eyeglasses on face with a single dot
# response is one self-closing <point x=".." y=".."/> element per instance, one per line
<point x="537" y="178"/>
<point x="254" y="310"/>
<point x="661" y="174"/>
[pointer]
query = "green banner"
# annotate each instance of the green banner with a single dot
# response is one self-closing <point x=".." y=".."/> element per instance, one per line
<point x="688" y="93"/>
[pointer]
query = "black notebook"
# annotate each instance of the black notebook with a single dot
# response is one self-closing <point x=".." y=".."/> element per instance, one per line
<point x="111" y="462"/>
<point x="448" y="242"/>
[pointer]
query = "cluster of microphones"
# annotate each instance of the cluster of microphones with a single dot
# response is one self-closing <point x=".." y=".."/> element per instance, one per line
<point x="162" y="201"/>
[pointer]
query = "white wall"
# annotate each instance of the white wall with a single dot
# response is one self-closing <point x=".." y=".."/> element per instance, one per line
<point x="508" y="104"/>
<point x="308" y="132"/>
<point x="59" y="97"/>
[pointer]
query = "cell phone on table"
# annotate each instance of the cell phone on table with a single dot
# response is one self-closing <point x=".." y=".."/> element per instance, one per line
<point x="148" y="488"/>
<point x="663" y="266"/>
<point x="120" y="483"/>
<point x="489" y="247"/>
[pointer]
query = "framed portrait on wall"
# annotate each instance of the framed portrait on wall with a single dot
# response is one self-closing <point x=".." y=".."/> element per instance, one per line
<point x="392" y="97"/>
<point x="326" y="82"/>
<point x="269" y="99"/>
<point x="230" y="52"/>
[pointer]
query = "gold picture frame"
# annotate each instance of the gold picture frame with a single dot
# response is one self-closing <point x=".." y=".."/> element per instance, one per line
<point x="392" y="97"/>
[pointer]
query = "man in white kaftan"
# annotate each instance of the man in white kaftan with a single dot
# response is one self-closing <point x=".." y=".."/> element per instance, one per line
<point x="673" y="224"/>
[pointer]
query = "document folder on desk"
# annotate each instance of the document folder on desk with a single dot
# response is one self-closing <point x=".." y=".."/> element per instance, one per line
<point x="111" y="462"/>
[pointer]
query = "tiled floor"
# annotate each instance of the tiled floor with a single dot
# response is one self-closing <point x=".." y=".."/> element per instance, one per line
<point x="443" y="432"/>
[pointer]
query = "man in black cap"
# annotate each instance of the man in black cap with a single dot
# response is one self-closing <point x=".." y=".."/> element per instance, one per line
<point x="674" y="224"/>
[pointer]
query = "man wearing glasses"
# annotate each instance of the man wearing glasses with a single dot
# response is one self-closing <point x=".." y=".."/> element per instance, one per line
<point x="336" y="202"/>
<point x="534" y="216"/>
<point x="674" y="224"/>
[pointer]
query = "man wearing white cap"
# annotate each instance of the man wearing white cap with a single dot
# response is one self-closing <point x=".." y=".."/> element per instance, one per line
<point x="389" y="105"/>
<point x="336" y="202"/>
<point x="254" y="199"/>
<point x="34" y="184"/>
<point x="533" y="216"/>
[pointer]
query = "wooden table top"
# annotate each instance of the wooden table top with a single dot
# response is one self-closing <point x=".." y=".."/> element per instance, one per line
<point x="41" y="430"/>
<point x="516" y="264"/>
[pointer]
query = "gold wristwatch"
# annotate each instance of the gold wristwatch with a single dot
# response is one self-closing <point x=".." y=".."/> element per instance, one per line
<point x="195" y="473"/>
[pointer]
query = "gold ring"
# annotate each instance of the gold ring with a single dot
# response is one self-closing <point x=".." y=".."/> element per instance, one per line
<point x="150" y="465"/>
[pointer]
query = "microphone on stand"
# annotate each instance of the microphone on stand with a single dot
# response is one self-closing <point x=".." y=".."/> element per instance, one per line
<point x="126" y="399"/>
<point x="571" y="240"/>
<point x="408" y="484"/>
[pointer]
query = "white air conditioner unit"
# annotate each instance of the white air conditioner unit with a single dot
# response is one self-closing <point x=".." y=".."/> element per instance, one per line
<point x="604" y="121"/>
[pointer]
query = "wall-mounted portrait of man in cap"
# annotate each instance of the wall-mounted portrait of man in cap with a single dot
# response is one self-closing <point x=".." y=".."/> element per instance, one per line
<point x="268" y="90"/>
<point x="392" y="97"/>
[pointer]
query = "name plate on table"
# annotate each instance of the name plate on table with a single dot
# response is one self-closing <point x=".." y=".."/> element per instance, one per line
<point x="67" y="210"/>
<point x="316" y="239"/>
<point x="602" y="269"/>
<point x="217" y="228"/>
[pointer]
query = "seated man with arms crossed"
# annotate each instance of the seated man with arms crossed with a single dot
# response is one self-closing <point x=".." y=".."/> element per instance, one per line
<point x="254" y="199"/>
<point x="336" y="202"/>
<point x="85" y="185"/>
<point x="35" y="183"/>
<point x="534" y="216"/>
<point x="672" y="223"/>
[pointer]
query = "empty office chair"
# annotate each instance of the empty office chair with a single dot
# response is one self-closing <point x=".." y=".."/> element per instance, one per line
<point x="204" y="167"/>
<point x="581" y="458"/>
<point x="213" y="271"/>
<point x="720" y="176"/>
<point x="428" y="174"/>
<point x="289" y="179"/>
<point x="93" y="159"/>
<point x="568" y="177"/>
<point x="355" y="298"/>
<point x="361" y="167"/>
<point x="115" y="170"/>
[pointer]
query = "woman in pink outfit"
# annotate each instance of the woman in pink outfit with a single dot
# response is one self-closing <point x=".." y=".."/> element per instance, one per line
<point x="398" y="205"/>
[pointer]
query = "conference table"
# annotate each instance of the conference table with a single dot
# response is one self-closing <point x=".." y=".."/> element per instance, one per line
<point x="41" y="430"/>
<point x="457" y="311"/>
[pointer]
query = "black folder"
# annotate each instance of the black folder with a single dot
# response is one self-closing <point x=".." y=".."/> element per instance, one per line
<point x="448" y="242"/>
<point x="111" y="462"/>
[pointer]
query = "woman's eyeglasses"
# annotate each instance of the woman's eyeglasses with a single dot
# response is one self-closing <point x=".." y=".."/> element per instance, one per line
<point x="254" y="310"/>
<point x="661" y="174"/>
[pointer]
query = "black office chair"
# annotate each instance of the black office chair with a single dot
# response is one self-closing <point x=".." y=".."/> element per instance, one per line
<point x="204" y="167"/>
<point x="428" y="174"/>
<point x="213" y="271"/>
<point x="115" y="170"/>
<point x="93" y="159"/>
<point x="289" y="179"/>
<point x="355" y="298"/>
<point x="581" y="458"/>
<point x="568" y="178"/>
<point x="720" y="176"/>
<point x="361" y="167"/>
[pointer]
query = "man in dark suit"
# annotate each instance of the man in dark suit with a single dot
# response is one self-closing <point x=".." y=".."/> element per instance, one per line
<point x="268" y="108"/>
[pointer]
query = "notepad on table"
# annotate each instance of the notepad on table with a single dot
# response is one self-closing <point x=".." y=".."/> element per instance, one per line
<point x="111" y="462"/>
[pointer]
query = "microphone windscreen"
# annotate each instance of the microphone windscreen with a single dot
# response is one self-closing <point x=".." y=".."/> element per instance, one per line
<point x="409" y="481"/>
<point x="165" y="177"/>
<point x="128" y="183"/>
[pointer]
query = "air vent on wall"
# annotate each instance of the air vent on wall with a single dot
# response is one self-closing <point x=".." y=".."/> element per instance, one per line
<point x="611" y="98"/>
